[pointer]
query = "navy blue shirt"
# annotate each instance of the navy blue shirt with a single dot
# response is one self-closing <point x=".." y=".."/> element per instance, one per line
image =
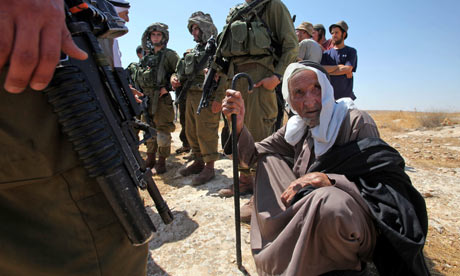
<point x="343" y="86"/>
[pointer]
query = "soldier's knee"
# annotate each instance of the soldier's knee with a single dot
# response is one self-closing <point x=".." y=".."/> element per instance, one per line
<point x="163" y="139"/>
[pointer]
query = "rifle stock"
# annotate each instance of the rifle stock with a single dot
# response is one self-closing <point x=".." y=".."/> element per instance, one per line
<point x="96" y="110"/>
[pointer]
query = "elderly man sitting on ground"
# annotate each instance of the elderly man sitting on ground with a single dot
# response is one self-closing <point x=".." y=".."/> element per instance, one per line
<point x="330" y="195"/>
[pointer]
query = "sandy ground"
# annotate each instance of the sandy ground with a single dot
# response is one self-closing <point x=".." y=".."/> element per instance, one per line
<point x="201" y="239"/>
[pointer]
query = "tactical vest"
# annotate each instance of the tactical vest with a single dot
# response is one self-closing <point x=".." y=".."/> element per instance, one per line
<point x="151" y="72"/>
<point x="246" y="36"/>
<point x="190" y="64"/>
<point x="133" y="69"/>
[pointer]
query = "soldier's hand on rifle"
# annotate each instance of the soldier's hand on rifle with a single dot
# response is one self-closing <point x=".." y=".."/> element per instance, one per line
<point x="216" y="76"/>
<point x="33" y="34"/>
<point x="175" y="83"/>
<point x="233" y="103"/>
<point x="269" y="83"/>
<point x="216" y="106"/>
<point x="137" y="94"/>
<point x="163" y="91"/>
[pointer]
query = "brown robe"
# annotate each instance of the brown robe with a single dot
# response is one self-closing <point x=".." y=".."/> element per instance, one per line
<point x="330" y="229"/>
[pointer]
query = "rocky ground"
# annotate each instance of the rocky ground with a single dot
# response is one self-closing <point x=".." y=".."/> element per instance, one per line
<point x="201" y="239"/>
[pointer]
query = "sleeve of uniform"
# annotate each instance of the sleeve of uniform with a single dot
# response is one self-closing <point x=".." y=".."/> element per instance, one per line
<point x="171" y="60"/>
<point x="180" y="70"/>
<point x="280" y="23"/>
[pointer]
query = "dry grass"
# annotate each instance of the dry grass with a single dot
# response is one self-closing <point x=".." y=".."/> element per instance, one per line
<point x="400" y="121"/>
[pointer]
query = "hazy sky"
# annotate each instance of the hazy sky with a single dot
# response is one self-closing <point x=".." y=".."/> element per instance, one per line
<point x="408" y="56"/>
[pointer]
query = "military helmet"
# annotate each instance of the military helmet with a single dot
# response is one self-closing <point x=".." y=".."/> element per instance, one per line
<point x="159" y="27"/>
<point x="139" y="49"/>
<point x="204" y="22"/>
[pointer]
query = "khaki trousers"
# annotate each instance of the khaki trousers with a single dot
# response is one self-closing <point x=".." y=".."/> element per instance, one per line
<point x="163" y="120"/>
<point x="260" y="105"/>
<point x="202" y="130"/>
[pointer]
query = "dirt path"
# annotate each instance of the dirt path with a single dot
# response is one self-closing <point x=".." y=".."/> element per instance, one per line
<point x="201" y="240"/>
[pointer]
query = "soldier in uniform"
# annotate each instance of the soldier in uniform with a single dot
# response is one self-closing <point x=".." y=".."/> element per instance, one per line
<point x="55" y="220"/>
<point x="133" y="67"/>
<point x="202" y="129"/>
<point x="181" y="106"/>
<point x="155" y="71"/>
<point x="262" y="43"/>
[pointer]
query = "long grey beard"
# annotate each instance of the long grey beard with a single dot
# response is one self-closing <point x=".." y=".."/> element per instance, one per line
<point x="307" y="121"/>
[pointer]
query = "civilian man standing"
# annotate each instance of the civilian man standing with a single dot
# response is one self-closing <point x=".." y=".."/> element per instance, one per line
<point x="308" y="48"/>
<point x="340" y="62"/>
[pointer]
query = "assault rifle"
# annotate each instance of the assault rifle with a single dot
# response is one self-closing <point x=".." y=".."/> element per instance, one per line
<point x="144" y="106"/>
<point x="209" y="51"/>
<point x="96" y="110"/>
<point x="219" y="63"/>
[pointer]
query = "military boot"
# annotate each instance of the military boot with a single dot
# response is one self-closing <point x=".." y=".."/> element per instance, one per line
<point x="196" y="167"/>
<point x="151" y="160"/>
<point x="205" y="175"/>
<point x="160" y="166"/>
<point x="246" y="186"/>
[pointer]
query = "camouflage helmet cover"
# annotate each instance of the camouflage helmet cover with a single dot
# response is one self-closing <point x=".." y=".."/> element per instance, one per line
<point x="204" y="22"/>
<point x="159" y="27"/>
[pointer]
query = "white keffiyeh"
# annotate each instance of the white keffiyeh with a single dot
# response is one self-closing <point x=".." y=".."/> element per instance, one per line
<point x="330" y="118"/>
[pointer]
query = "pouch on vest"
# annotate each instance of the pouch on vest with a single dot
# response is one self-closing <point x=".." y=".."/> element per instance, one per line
<point x="189" y="61"/>
<point x="247" y="38"/>
<point x="236" y="42"/>
<point x="259" y="39"/>
<point x="147" y="78"/>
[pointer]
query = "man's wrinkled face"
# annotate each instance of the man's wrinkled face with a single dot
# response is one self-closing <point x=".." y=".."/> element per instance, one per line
<point x="156" y="37"/>
<point x="301" y="34"/>
<point x="196" y="32"/>
<point x="305" y="96"/>
<point x="337" y="35"/>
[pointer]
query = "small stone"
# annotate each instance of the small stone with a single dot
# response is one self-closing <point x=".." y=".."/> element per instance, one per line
<point x="436" y="225"/>
<point x="416" y="150"/>
<point x="427" y="195"/>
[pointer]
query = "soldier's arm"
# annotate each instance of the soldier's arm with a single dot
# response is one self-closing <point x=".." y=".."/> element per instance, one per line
<point x="280" y="23"/>
<point x="171" y="61"/>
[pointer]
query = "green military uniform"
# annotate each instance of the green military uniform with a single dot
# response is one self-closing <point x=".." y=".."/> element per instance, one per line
<point x="154" y="73"/>
<point x="54" y="219"/>
<point x="201" y="130"/>
<point x="262" y="44"/>
<point x="133" y="69"/>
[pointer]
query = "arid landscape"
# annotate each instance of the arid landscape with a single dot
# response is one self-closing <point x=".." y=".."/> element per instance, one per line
<point x="201" y="240"/>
